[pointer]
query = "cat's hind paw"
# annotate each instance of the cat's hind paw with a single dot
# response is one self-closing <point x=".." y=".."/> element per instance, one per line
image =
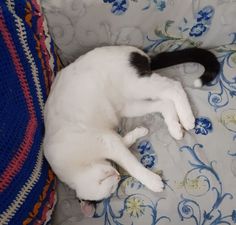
<point x="132" y="136"/>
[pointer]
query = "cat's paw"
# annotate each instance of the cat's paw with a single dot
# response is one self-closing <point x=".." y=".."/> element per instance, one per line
<point x="155" y="184"/>
<point x="188" y="122"/>
<point x="139" y="132"/>
<point x="132" y="136"/>
<point x="176" y="130"/>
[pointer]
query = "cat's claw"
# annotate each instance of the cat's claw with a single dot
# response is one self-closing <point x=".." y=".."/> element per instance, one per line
<point x="140" y="132"/>
<point x="156" y="185"/>
<point x="176" y="131"/>
<point x="189" y="122"/>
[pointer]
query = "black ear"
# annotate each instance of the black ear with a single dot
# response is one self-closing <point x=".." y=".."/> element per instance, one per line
<point x="140" y="63"/>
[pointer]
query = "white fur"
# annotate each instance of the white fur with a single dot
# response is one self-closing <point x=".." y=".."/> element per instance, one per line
<point x="197" y="83"/>
<point x="85" y="105"/>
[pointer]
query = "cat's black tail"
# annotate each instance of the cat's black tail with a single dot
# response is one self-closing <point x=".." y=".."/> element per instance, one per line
<point x="197" y="55"/>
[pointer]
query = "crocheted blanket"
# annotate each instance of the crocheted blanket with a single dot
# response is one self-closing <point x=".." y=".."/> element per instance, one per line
<point x="27" y="66"/>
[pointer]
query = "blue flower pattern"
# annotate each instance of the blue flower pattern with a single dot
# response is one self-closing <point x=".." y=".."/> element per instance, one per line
<point x="234" y="216"/>
<point x="203" y="20"/>
<point x="203" y="125"/>
<point x="119" y="7"/>
<point x="197" y="30"/>
<point x="159" y="4"/>
<point x="147" y="154"/>
<point x="205" y="15"/>
<point x="148" y="161"/>
<point x="144" y="147"/>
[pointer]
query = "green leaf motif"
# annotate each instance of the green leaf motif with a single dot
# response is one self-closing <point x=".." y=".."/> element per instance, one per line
<point x="159" y="33"/>
<point x="168" y="24"/>
<point x="233" y="58"/>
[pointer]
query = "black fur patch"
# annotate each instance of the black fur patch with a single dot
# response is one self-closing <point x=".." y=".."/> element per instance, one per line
<point x="197" y="55"/>
<point x="140" y="63"/>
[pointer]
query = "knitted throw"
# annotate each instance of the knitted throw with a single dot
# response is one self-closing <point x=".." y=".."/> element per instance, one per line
<point x="27" y="67"/>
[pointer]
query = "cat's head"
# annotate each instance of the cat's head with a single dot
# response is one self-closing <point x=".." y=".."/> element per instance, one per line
<point x="97" y="181"/>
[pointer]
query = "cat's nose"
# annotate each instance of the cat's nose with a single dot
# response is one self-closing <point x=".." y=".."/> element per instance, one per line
<point x="113" y="174"/>
<point x="117" y="176"/>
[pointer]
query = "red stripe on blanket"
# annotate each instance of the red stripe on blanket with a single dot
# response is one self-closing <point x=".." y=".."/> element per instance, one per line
<point x="48" y="74"/>
<point x="18" y="160"/>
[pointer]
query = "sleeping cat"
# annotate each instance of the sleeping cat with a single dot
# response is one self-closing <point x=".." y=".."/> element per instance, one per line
<point x="90" y="96"/>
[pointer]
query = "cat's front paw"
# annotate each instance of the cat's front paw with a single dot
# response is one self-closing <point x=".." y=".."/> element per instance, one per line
<point x="188" y="122"/>
<point x="155" y="184"/>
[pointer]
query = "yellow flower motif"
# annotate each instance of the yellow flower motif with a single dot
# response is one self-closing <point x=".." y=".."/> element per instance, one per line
<point x="233" y="58"/>
<point x="193" y="184"/>
<point x="134" y="206"/>
<point x="228" y="119"/>
<point x="129" y="181"/>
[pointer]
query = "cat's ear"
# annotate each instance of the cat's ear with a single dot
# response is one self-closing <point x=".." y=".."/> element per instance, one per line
<point x="141" y="63"/>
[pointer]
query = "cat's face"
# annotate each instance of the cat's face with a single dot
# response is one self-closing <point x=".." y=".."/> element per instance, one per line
<point x="97" y="182"/>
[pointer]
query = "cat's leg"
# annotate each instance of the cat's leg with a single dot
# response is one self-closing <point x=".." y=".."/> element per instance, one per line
<point x="119" y="153"/>
<point x="158" y="87"/>
<point x="131" y="137"/>
<point x="165" y="107"/>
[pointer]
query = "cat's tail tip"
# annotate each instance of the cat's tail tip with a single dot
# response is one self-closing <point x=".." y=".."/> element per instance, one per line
<point x="198" y="83"/>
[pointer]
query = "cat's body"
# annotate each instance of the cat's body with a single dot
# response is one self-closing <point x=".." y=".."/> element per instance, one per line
<point x="88" y="99"/>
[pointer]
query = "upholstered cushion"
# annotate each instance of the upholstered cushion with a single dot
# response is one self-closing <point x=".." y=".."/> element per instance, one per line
<point x="154" y="25"/>
<point x="27" y="66"/>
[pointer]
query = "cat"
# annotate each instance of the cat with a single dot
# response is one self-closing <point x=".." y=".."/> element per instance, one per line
<point x="90" y="96"/>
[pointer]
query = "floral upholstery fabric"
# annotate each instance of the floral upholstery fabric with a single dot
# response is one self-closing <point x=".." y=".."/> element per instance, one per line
<point x="200" y="170"/>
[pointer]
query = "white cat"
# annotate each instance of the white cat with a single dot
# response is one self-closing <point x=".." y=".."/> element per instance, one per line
<point x="88" y="99"/>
